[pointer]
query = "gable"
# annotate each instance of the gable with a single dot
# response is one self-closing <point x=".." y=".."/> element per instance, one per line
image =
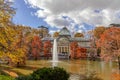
<point x="64" y="31"/>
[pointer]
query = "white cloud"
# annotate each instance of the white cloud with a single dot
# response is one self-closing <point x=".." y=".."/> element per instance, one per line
<point x="80" y="31"/>
<point x="10" y="0"/>
<point x="81" y="27"/>
<point x="52" y="31"/>
<point x="56" y="21"/>
<point x="77" y="12"/>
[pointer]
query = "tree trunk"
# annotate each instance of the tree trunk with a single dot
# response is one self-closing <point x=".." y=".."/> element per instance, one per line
<point x="119" y="62"/>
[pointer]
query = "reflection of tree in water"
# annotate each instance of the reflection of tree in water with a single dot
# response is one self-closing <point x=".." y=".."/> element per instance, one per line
<point x="86" y="76"/>
<point x="115" y="76"/>
<point x="77" y="66"/>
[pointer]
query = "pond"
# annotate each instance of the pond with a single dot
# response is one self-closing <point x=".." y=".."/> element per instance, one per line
<point x="104" y="69"/>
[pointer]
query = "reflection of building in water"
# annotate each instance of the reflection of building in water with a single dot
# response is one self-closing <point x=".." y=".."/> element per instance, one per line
<point x="64" y="39"/>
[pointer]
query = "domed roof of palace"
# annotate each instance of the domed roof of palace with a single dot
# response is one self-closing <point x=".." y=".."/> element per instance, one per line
<point x="79" y="39"/>
<point x="64" y="31"/>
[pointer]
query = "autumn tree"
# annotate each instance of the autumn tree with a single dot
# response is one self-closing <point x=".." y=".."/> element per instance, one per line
<point x="81" y="52"/>
<point x="15" y="40"/>
<point x="12" y="45"/>
<point x="20" y="41"/>
<point x="56" y="34"/>
<point x="79" y="35"/>
<point x="47" y="48"/>
<point x="94" y="36"/>
<point x="98" y="31"/>
<point x="77" y="51"/>
<point x="8" y="36"/>
<point x="36" y="47"/>
<point x="73" y="48"/>
<point x="109" y="43"/>
<point x="115" y="76"/>
<point x="6" y="13"/>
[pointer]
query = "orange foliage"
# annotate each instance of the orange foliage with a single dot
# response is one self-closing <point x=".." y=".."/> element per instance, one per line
<point x="73" y="47"/>
<point x="116" y="76"/>
<point x="98" y="31"/>
<point x="47" y="48"/>
<point x="109" y="42"/>
<point x="13" y="74"/>
<point x="81" y="52"/>
<point x="36" y="46"/>
<point x="76" y="51"/>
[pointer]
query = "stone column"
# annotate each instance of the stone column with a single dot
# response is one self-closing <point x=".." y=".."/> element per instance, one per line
<point x="64" y="49"/>
<point x="60" y="49"/>
<point x="68" y="49"/>
<point x="57" y="49"/>
<point x="51" y="50"/>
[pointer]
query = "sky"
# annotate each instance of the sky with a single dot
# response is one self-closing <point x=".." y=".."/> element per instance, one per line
<point x="76" y="15"/>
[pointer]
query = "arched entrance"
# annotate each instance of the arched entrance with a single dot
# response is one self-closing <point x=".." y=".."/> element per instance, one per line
<point x="63" y="46"/>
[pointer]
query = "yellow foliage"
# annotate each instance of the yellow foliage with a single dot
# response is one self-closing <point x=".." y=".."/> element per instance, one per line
<point x="56" y="34"/>
<point x="14" y="39"/>
<point x="98" y="31"/>
<point x="79" y="35"/>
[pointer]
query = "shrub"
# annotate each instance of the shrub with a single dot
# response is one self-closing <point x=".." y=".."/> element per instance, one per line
<point x="55" y="73"/>
<point x="42" y="74"/>
<point x="59" y="74"/>
<point x="3" y="77"/>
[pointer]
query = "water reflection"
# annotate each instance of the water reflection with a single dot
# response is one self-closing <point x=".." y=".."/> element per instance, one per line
<point x="104" y="69"/>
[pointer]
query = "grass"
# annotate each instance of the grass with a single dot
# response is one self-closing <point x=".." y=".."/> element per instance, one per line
<point x="26" y="70"/>
<point x="3" y="77"/>
<point x="7" y="71"/>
